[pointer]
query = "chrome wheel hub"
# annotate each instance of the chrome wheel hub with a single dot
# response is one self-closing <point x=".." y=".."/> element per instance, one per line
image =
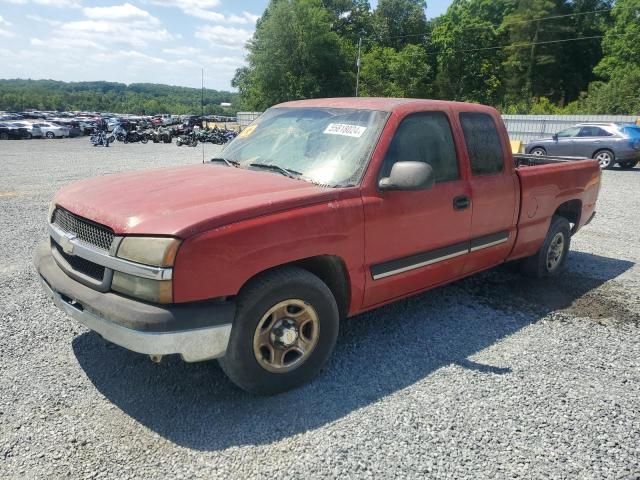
<point x="286" y="335"/>
<point x="555" y="252"/>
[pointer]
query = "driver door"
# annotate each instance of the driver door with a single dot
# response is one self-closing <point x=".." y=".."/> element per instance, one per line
<point x="416" y="239"/>
<point x="564" y="145"/>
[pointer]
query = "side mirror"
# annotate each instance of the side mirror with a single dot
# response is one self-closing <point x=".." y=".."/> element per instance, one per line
<point x="555" y="136"/>
<point x="408" y="176"/>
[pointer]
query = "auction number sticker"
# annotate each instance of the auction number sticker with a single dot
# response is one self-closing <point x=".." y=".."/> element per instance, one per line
<point x="345" y="129"/>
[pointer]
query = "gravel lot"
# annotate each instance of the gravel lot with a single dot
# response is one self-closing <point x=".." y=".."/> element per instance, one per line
<point x="495" y="376"/>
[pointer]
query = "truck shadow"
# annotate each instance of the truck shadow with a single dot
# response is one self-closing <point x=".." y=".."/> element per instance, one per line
<point x="378" y="354"/>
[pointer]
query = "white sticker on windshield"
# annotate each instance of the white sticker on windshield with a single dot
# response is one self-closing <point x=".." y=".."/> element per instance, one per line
<point x="345" y="129"/>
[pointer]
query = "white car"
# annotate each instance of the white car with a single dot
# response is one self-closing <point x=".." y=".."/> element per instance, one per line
<point x="52" y="130"/>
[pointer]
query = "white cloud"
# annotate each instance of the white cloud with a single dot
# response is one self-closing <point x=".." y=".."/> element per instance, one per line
<point x="187" y="4"/>
<point x="119" y="12"/>
<point x="4" y="22"/>
<point x="48" y="3"/>
<point x="202" y="9"/>
<point x="227" y="37"/>
<point x="182" y="51"/>
<point x="38" y="18"/>
<point x="6" y="33"/>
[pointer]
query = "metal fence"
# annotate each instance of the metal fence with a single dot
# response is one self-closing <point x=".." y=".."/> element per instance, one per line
<point x="528" y="127"/>
<point x="245" y="118"/>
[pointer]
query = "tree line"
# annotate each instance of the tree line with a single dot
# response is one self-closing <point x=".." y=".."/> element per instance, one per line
<point x="522" y="56"/>
<point x="136" y="98"/>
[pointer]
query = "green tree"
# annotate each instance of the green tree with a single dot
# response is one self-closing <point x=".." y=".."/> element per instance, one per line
<point x="469" y="67"/>
<point x="294" y="54"/>
<point x="390" y="73"/>
<point x="621" y="43"/>
<point x="397" y="23"/>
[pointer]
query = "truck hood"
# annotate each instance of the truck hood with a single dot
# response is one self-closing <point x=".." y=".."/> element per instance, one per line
<point x="184" y="201"/>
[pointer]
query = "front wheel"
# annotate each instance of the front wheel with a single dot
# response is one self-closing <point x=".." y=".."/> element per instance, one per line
<point x="538" y="152"/>
<point x="628" y="165"/>
<point x="50" y="135"/>
<point x="605" y="159"/>
<point x="550" y="259"/>
<point x="285" y="329"/>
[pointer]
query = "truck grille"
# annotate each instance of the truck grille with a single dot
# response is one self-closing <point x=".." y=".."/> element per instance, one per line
<point x="86" y="231"/>
<point x="81" y="265"/>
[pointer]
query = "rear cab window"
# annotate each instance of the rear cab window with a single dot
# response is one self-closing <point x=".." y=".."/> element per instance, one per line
<point x="424" y="137"/>
<point x="483" y="142"/>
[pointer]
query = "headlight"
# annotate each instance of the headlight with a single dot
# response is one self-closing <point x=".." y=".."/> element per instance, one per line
<point x="159" y="252"/>
<point x="156" y="291"/>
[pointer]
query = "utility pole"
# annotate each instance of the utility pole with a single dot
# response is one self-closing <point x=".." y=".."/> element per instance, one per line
<point x="358" y="65"/>
<point x="202" y="94"/>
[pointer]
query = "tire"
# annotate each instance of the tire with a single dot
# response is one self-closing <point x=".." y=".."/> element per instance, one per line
<point x="628" y="165"/>
<point x="144" y="139"/>
<point x="28" y="136"/>
<point x="547" y="262"/>
<point x="178" y="143"/>
<point x="538" y="151"/>
<point x="249" y="362"/>
<point x="50" y="135"/>
<point x="111" y="139"/>
<point x="606" y="159"/>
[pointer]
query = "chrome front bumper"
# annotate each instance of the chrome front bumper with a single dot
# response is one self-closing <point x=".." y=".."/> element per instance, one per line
<point x="158" y="330"/>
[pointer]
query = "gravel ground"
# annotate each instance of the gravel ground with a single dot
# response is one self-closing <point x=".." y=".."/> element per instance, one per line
<point x="495" y="376"/>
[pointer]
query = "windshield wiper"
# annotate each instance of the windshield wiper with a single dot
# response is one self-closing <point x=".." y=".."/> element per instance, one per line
<point x="229" y="163"/>
<point x="277" y="168"/>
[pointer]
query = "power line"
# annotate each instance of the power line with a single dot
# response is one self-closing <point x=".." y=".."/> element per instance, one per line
<point x="518" y="22"/>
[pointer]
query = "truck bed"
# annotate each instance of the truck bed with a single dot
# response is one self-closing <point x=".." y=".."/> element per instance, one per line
<point x="547" y="183"/>
<point x="527" y="160"/>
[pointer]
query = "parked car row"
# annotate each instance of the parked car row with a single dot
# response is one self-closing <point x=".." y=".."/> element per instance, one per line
<point x="609" y="143"/>
<point x="37" y="124"/>
<point x="27" y="130"/>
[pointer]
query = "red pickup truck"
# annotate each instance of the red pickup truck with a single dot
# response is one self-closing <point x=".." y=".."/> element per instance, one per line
<point x="319" y="210"/>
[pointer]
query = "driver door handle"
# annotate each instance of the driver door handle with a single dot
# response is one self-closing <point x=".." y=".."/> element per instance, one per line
<point x="461" y="202"/>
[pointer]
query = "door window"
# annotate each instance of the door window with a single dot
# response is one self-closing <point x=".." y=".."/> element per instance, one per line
<point x="424" y="137"/>
<point x="569" y="132"/>
<point x="483" y="143"/>
<point x="593" y="132"/>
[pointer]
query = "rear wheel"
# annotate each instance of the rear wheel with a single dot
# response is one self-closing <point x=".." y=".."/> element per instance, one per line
<point x="50" y="135"/>
<point x="285" y="329"/>
<point x="605" y="158"/>
<point x="550" y="259"/>
<point x="538" y="151"/>
<point x="628" y="165"/>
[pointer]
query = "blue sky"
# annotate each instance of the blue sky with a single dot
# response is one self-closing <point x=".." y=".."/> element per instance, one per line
<point x="159" y="41"/>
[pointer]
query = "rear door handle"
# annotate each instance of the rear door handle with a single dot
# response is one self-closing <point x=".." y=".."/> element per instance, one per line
<point x="461" y="202"/>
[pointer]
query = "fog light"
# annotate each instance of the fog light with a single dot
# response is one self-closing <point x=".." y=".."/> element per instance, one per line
<point x="156" y="291"/>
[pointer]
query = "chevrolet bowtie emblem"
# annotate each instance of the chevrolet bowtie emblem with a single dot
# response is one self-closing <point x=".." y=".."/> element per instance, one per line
<point x="65" y="243"/>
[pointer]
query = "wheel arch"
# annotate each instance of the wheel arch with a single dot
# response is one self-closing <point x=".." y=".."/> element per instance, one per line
<point x="331" y="269"/>
<point x="605" y="149"/>
<point x="572" y="211"/>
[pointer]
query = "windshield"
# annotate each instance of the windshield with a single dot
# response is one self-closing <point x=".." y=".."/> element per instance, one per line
<point x="329" y="146"/>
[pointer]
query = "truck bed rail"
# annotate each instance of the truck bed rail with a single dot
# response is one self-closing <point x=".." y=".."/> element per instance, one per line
<point x="528" y="160"/>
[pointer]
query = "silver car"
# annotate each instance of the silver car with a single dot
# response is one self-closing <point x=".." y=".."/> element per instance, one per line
<point x="33" y="131"/>
<point x="609" y="143"/>
<point x="52" y="130"/>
